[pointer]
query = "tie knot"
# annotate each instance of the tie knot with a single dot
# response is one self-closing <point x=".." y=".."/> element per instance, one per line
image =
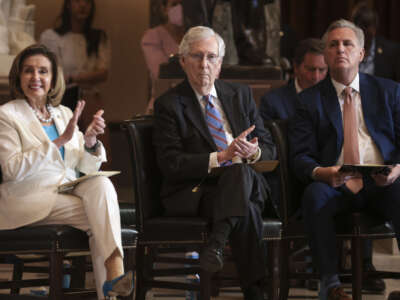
<point x="208" y="99"/>
<point x="347" y="91"/>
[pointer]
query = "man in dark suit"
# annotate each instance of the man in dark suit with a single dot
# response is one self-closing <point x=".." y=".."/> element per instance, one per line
<point x="204" y="123"/>
<point x="280" y="104"/>
<point x="381" y="55"/>
<point x="349" y="117"/>
<point x="309" y="69"/>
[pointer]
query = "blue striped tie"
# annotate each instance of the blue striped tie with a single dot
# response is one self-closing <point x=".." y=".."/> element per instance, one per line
<point x="214" y="123"/>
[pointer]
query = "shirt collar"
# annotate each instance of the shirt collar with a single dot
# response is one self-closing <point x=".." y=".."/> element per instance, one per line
<point x="339" y="87"/>
<point x="213" y="93"/>
<point x="297" y="86"/>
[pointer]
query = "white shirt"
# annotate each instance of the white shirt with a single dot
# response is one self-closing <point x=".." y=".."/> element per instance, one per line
<point x="297" y="86"/>
<point x="213" y="161"/>
<point x="70" y="50"/>
<point x="369" y="152"/>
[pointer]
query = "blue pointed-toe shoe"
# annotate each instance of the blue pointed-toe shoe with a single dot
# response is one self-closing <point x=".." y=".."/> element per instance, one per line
<point x="120" y="286"/>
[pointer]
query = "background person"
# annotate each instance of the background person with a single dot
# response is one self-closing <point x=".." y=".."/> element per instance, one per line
<point x="309" y="69"/>
<point x="381" y="55"/>
<point x="41" y="148"/>
<point x="84" y="54"/>
<point x="162" y="41"/>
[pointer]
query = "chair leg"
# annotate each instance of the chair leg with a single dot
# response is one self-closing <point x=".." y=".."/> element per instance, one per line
<point x="56" y="276"/>
<point x="205" y="285"/>
<point x="284" y="273"/>
<point x="356" y="267"/>
<point x="78" y="272"/>
<point x="17" y="275"/>
<point x="273" y="268"/>
<point x="141" y="289"/>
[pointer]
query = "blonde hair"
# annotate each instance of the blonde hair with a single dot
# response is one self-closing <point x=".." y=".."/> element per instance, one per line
<point x="57" y="90"/>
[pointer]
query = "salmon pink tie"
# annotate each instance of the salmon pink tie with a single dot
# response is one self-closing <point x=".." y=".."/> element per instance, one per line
<point x="351" y="153"/>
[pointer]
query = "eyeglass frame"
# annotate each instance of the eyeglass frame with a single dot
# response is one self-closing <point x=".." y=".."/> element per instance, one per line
<point x="211" y="58"/>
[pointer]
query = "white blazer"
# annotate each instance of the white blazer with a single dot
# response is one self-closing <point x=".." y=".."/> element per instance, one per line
<point x="32" y="165"/>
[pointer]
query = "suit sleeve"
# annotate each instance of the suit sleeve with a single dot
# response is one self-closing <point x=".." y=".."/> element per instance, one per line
<point x="176" y="163"/>
<point x="302" y="144"/>
<point x="396" y="122"/>
<point x="266" y="111"/>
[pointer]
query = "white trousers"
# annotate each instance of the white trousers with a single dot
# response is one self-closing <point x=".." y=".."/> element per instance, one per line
<point x="92" y="207"/>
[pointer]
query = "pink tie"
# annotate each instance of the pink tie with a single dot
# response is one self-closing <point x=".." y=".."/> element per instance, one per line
<point x="351" y="153"/>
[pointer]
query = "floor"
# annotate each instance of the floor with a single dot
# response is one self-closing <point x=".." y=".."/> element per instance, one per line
<point x="382" y="260"/>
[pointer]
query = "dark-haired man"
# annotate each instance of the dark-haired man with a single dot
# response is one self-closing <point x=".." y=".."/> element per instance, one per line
<point x="350" y="118"/>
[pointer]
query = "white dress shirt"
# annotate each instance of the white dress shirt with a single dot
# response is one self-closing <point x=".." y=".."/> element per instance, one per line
<point x="213" y="162"/>
<point x="369" y="152"/>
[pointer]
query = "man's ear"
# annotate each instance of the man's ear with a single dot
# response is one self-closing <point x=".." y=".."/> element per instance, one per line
<point x="362" y="53"/>
<point x="182" y="61"/>
<point x="219" y="69"/>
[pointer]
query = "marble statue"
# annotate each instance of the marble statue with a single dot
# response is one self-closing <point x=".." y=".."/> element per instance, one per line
<point x="16" y="31"/>
<point x="16" y="26"/>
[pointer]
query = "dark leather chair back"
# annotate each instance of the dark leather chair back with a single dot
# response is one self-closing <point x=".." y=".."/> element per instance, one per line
<point x="290" y="188"/>
<point x="144" y="168"/>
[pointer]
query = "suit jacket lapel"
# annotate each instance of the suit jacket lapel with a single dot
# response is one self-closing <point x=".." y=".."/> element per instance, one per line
<point x="61" y="125"/>
<point x="33" y="123"/>
<point x="331" y="104"/>
<point x="369" y="107"/>
<point x="36" y="127"/>
<point x="194" y="113"/>
<point x="226" y="96"/>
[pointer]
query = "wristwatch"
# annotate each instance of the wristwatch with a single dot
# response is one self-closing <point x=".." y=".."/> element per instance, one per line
<point x="93" y="148"/>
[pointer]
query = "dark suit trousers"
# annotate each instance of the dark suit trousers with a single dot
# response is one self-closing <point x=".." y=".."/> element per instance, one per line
<point x="240" y="192"/>
<point x="321" y="203"/>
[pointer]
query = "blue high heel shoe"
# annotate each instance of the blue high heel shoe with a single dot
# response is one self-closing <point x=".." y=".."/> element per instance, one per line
<point x="120" y="286"/>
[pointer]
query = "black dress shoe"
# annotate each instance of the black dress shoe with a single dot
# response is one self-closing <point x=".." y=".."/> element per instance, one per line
<point x="211" y="258"/>
<point x="395" y="295"/>
<point x="372" y="284"/>
<point x="253" y="292"/>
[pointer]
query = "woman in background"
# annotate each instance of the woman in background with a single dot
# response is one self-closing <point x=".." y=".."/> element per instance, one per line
<point x="84" y="54"/>
<point x="162" y="41"/>
<point x="41" y="147"/>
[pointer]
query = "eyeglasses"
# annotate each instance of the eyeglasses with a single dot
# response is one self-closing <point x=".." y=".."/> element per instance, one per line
<point x="211" y="57"/>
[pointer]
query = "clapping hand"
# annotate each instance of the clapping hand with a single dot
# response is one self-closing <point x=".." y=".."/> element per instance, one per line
<point x="69" y="130"/>
<point x="240" y="147"/>
<point x="95" y="128"/>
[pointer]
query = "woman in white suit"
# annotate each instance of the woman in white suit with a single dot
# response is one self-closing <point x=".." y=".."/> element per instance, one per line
<point x="41" y="147"/>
